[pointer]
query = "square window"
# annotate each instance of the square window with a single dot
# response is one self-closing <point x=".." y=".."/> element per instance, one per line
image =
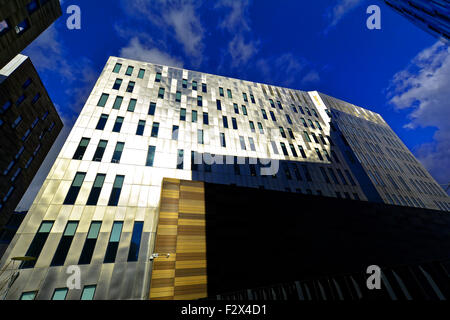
<point x="22" y="27"/>
<point x="4" y="26"/>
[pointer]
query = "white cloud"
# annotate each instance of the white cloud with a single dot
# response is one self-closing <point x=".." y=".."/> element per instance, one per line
<point x="237" y="16"/>
<point x="311" y="77"/>
<point x="241" y="51"/>
<point x="423" y="88"/>
<point x="137" y="51"/>
<point x="340" y="10"/>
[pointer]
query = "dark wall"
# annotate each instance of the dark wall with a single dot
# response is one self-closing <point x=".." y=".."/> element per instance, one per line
<point x="260" y="237"/>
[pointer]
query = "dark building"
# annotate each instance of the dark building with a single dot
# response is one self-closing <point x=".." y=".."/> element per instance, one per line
<point x="8" y="231"/>
<point x="29" y="125"/>
<point x="22" y="21"/>
<point x="433" y="16"/>
<point x="230" y="242"/>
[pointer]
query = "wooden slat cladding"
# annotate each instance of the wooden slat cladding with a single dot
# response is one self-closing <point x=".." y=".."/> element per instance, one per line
<point x="181" y="232"/>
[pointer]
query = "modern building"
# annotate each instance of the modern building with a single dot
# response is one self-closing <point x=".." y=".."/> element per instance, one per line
<point x="124" y="200"/>
<point x="9" y="230"/>
<point x="29" y="125"/>
<point x="22" y="21"/>
<point x="433" y="16"/>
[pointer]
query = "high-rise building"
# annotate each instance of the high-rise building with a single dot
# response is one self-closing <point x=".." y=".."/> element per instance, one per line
<point x="127" y="197"/>
<point x="22" y="21"/>
<point x="29" y="125"/>
<point x="433" y="16"/>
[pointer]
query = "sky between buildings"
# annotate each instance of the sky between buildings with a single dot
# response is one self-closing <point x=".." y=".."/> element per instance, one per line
<point x="400" y="71"/>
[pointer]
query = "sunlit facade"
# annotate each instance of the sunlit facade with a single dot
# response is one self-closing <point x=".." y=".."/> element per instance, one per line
<point x="99" y="206"/>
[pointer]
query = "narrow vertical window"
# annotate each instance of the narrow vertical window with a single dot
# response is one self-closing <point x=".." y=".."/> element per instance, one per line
<point x="223" y="142"/>
<point x="242" y="141"/>
<point x="117" y="155"/>
<point x="319" y="154"/>
<point x="118" y="102"/>
<point x="236" y="108"/>
<point x="72" y="194"/>
<point x="185" y="83"/>
<point x="100" y="151"/>
<point x="194" y="85"/>
<point x="199" y="101"/>
<point x="102" y="122"/>
<point x="64" y="245"/>
<point x="204" y="88"/>
<point x="261" y="129"/>
<point x="135" y="244"/>
<point x="244" y="110"/>
<point x="37" y="244"/>
<point x="307" y="138"/>
<point x="225" y="122"/>
<point x="150" y="156"/>
<point x="272" y="115"/>
<point x="194" y="116"/>
<point x="103" y="99"/>
<point x="200" y="138"/>
<point x="235" y="126"/>
<point x="96" y="189"/>
<point x="178" y="96"/>
<point x="140" y="128"/>
<point x="89" y="244"/>
<point x="183" y="114"/>
<point x="175" y="130"/>
<point x="113" y="245"/>
<point x="244" y="95"/>
<point x="161" y="93"/>
<point x="129" y="71"/>
<point x="219" y="104"/>
<point x="155" y="129"/>
<point x="230" y="95"/>
<point x="115" y="193"/>
<point x="117" y="84"/>
<point x="132" y="105"/>
<point x="79" y="153"/>
<point x="283" y="147"/>
<point x="252" y="98"/>
<point x="141" y="73"/>
<point x="151" y="109"/>
<point x="264" y="114"/>
<point x="180" y="159"/>
<point x="118" y="125"/>
<point x="294" y="152"/>
<point x="283" y="134"/>
<point x="252" y="126"/>
<point x="291" y="134"/>
<point x="158" y="77"/>
<point x="130" y="87"/>
<point x="117" y="68"/>
<point x="252" y="144"/>
<point x="205" y="118"/>
<point x="221" y="92"/>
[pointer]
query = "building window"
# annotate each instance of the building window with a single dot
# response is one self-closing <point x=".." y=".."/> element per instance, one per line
<point x="158" y="77"/>
<point x="152" y="108"/>
<point x="244" y="110"/>
<point x="271" y="103"/>
<point x="161" y="93"/>
<point x="118" y="125"/>
<point x="194" y="116"/>
<point x="4" y="26"/>
<point x="129" y="71"/>
<point x="37" y="244"/>
<point x="225" y="122"/>
<point x="219" y="104"/>
<point x="252" y="144"/>
<point x="288" y="118"/>
<point x="294" y="152"/>
<point x="235" y="126"/>
<point x="178" y="96"/>
<point x="222" y="140"/>
<point x="117" y="84"/>
<point x="130" y="87"/>
<point x="194" y="85"/>
<point x="5" y="106"/>
<point x="150" y="156"/>
<point x="135" y="244"/>
<point x="115" y="193"/>
<point x="155" y="130"/>
<point x="261" y="129"/>
<point x="315" y="138"/>
<point x="22" y="27"/>
<point x="242" y="141"/>
<point x="113" y="245"/>
<point x="64" y="245"/>
<point x="307" y="138"/>
<point x="283" y="134"/>
<point x="16" y="122"/>
<point x="20" y="100"/>
<point x="103" y="99"/>
<point x="183" y="114"/>
<point x="96" y="189"/>
<point x="194" y="164"/>
<point x="141" y="73"/>
<point x="88" y="292"/>
<point x="291" y="134"/>
<point x="311" y="124"/>
<point x="318" y="125"/>
<point x="200" y="137"/>
<point x="264" y="114"/>
<point x="79" y="153"/>
<point x="252" y="98"/>
<point x="204" y="88"/>
<point x="279" y="105"/>
<point x="180" y="160"/>
<point x="283" y="147"/>
<point x="175" y="130"/>
<point x="350" y="178"/>
<point x="221" y="92"/>
<point x="252" y="126"/>
<point x="28" y="295"/>
<point x="342" y="177"/>
<point x="244" y="95"/>
<point x="74" y="190"/>
<point x="117" y="68"/>
<point x="272" y="115"/>
<point x="27" y="83"/>
<point x="132" y="105"/>
<point x="89" y="245"/>
<point x="140" y="128"/>
<point x="117" y="155"/>
<point x="236" y="109"/>
<point x="230" y="95"/>
<point x="117" y="103"/>
<point x="205" y="118"/>
<point x="60" y="294"/>
<point x="319" y="154"/>
<point x="199" y="101"/>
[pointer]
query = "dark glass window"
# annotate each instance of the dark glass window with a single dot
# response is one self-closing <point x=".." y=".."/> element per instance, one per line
<point x="199" y="101"/>
<point x="102" y="122"/>
<point x="117" y="155"/>
<point x="283" y="147"/>
<point x="252" y="98"/>
<point x="244" y="110"/>
<point x="291" y="134"/>
<point x="222" y="140"/>
<point x="141" y="74"/>
<point x="264" y="114"/>
<point x="129" y="71"/>
<point x="117" y="68"/>
<point x="117" y="84"/>
<point x="200" y="139"/>
<point x="155" y="129"/>
<point x="79" y="153"/>
<point x="235" y="126"/>
<point x="72" y="195"/>
<point x="152" y="108"/>
<point x="185" y="83"/>
<point x="135" y="244"/>
<point x="158" y="77"/>
<point x="261" y="129"/>
<point x="64" y="245"/>
<point x="283" y="134"/>
<point x="132" y="105"/>
<point x="219" y="104"/>
<point x="294" y="152"/>
<point x="194" y="85"/>
<point x="117" y="102"/>
<point x="150" y="156"/>
<point x="319" y="154"/>
<point x="113" y="245"/>
<point x="183" y="114"/>
<point x="205" y="118"/>
<point x="204" y="88"/>
<point x="194" y="116"/>
<point x="130" y="87"/>
<point x="89" y="245"/>
<point x="22" y="26"/>
<point x="140" y="128"/>
<point x="98" y="156"/>
<point x="221" y="92"/>
<point x="180" y="159"/>
<point x="225" y="122"/>
<point x="96" y="189"/>
<point x="37" y="244"/>
<point x="307" y="138"/>
<point x="178" y="97"/>
<point x="230" y="95"/>
<point x="175" y="131"/>
<point x="118" y="125"/>
<point x="115" y="193"/>
<point x="244" y="95"/>
<point x="242" y="141"/>
<point x="103" y="99"/>
<point x="252" y="126"/>
<point x="272" y="115"/>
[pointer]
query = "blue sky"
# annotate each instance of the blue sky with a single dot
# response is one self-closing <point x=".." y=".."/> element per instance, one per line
<point x="400" y="71"/>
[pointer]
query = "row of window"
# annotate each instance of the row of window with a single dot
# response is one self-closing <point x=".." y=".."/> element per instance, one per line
<point x="65" y="243"/>
<point x="88" y="293"/>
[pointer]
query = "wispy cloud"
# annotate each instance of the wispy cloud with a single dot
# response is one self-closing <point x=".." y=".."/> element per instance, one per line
<point x="336" y="13"/>
<point x="423" y="89"/>
<point x="241" y="51"/>
<point x="237" y="15"/>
